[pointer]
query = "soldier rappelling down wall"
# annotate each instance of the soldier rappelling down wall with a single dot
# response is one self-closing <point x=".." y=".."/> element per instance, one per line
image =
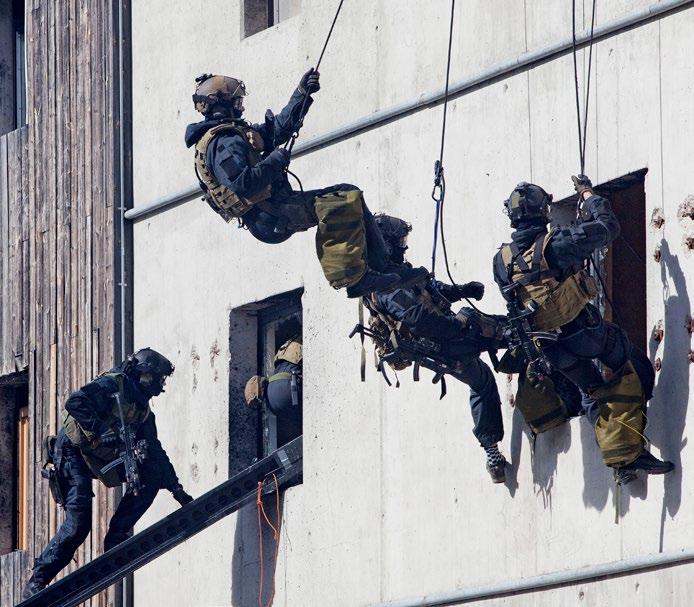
<point x="243" y="173"/>
<point x="422" y="312"/>
<point x="109" y="432"/>
<point x="543" y="272"/>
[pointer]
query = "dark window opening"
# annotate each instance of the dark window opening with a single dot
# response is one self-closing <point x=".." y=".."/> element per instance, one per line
<point x="14" y="462"/>
<point x="257" y="330"/>
<point x="12" y="66"/>
<point x="622" y="266"/>
<point x="259" y="15"/>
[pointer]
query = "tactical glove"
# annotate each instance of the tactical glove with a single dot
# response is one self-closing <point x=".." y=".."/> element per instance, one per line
<point x="181" y="496"/>
<point x="473" y="290"/>
<point x="278" y="158"/>
<point x="582" y="184"/>
<point x="310" y="82"/>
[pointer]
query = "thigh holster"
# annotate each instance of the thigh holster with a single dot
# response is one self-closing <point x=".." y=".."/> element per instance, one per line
<point x="620" y="426"/>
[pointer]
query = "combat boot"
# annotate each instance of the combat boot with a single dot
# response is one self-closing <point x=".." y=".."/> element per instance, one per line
<point x="647" y="462"/>
<point x="31" y="588"/>
<point x="496" y="464"/>
<point x="372" y="282"/>
<point x="408" y="275"/>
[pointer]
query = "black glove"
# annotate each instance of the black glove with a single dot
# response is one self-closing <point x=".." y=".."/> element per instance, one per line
<point x="279" y="158"/>
<point x="181" y="496"/>
<point x="310" y="82"/>
<point x="582" y="184"/>
<point x="473" y="290"/>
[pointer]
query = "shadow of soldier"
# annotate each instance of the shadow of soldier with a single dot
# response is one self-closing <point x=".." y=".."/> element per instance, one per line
<point x="544" y="450"/>
<point x="668" y="410"/>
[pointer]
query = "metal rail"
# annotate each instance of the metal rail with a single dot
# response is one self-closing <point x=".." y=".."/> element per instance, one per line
<point x="549" y="580"/>
<point x="171" y="531"/>
<point x="484" y="78"/>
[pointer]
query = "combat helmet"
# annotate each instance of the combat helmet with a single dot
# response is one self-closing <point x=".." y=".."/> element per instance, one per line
<point x="394" y="231"/>
<point x="149" y="368"/>
<point x="527" y="203"/>
<point x="214" y="93"/>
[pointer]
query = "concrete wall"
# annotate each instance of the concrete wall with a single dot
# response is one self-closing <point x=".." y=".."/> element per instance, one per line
<point x="395" y="501"/>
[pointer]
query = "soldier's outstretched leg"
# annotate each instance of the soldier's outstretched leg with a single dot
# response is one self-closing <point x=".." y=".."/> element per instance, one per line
<point x="485" y="405"/>
<point x="129" y="511"/>
<point x="614" y="408"/>
<point x="76" y="481"/>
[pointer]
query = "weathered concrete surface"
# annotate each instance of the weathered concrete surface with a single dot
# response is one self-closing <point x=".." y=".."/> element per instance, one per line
<point x="395" y="501"/>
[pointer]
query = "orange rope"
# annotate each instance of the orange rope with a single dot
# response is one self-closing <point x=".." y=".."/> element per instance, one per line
<point x="275" y="535"/>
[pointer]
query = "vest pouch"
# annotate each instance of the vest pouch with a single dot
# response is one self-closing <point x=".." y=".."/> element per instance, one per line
<point x="541" y="406"/>
<point x="99" y="457"/>
<point x="341" y="238"/>
<point x="512" y="361"/>
<point x="620" y="425"/>
<point x="77" y="435"/>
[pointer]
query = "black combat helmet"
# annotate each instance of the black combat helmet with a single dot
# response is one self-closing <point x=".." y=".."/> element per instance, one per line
<point x="149" y="369"/>
<point x="219" y="95"/>
<point x="528" y="203"/>
<point x="394" y="231"/>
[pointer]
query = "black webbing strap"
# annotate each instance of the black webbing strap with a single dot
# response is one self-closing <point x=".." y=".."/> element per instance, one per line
<point x="362" y="363"/>
<point x="531" y="273"/>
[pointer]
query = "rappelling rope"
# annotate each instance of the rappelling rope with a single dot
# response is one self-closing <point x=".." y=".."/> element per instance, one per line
<point x="438" y="192"/>
<point x="302" y="113"/>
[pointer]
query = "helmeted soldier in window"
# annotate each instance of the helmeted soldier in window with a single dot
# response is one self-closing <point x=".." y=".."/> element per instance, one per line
<point x="92" y="438"/>
<point x="243" y="171"/>
<point x="544" y="270"/>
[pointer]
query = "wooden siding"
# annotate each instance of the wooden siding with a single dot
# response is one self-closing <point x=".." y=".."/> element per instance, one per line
<point x="57" y="202"/>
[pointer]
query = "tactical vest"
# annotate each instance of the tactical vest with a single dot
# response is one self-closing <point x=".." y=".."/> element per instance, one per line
<point x="560" y="298"/>
<point x="97" y="456"/>
<point x="222" y="199"/>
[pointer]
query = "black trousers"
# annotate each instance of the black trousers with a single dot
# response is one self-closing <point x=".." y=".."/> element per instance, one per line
<point x="76" y="479"/>
<point x="485" y="403"/>
<point x="589" y="338"/>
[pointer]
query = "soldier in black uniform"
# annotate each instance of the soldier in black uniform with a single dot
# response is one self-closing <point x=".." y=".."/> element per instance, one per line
<point x="90" y="439"/>
<point x="423" y="309"/>
<point x="544" y="268"/>
<point x="243" y="171"/>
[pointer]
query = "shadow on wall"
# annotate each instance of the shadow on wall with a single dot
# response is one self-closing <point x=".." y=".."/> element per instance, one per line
<point x="667" y="415"/>
<point x="246" y="562"/>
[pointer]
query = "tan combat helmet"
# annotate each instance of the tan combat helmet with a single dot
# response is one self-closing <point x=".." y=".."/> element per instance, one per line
<point x="216" y="90"/>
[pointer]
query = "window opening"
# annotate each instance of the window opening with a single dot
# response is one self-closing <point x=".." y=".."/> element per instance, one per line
<point x="15" y="462"/>
<point x="623" y="273"/>
<point x="259" y="15"/>
<point x="257" y="330"/>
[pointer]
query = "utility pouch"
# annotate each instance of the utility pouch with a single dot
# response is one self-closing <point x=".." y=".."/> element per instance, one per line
<point x="540" y="404"/>
<point x="50" y="472"/>
<point x="340" y="237"/>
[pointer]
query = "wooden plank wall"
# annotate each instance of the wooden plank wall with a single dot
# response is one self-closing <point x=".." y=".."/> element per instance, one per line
<point x="57" y="201"/>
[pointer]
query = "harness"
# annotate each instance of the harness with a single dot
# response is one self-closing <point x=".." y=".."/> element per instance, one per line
<point x="223" y="200"/>
<point x="97" y="457"/>
<point x="395" y="346"/>
<point x="556" y="296"/>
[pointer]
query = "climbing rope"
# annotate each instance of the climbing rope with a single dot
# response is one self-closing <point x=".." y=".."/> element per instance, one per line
<point x="438" y="192"/>
<point x="262" y="515"/>
<point x="302" y="113"/>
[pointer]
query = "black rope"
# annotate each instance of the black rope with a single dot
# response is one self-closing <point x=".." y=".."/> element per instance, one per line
<point x="302" y="113"/>
<point x="438" y="193"/>
<point x="585" y="107"/>
<point x="578" y="101"/>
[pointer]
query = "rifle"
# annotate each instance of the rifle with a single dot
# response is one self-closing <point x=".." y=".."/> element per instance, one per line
<point x="521" y="334"/>
<point x="132" y="454"/>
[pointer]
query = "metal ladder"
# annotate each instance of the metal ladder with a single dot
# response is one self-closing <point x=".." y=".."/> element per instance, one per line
<point x="107" y="569"/>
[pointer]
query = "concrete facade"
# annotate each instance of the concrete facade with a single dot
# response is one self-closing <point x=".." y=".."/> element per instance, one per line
<point x="395" y="501"/>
